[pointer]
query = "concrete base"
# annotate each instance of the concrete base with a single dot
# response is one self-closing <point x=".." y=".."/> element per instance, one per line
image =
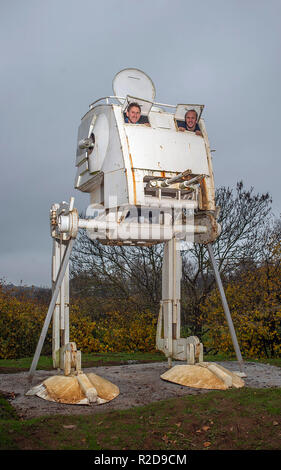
<point x="80" y="389"/>
<point x="207" y="375"/>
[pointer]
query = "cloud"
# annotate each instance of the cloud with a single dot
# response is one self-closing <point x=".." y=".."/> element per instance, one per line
<point x="57" y="57"/>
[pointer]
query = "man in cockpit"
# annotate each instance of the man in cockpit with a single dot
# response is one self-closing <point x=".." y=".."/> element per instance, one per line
<point x="133" y="113"/>
<point x="190" y="123"/>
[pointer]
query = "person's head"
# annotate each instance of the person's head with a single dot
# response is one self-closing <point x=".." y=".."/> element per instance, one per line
<point x="133" y="113"/>
<point x="191" y="119"/>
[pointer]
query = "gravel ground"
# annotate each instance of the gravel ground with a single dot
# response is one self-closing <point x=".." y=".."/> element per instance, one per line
<point x="139" y="385"/>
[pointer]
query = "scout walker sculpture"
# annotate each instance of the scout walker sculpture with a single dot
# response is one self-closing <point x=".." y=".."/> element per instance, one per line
<point x="148" y="184"/>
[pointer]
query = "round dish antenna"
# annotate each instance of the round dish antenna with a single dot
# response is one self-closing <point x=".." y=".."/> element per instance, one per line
<point x="135" y="83"/>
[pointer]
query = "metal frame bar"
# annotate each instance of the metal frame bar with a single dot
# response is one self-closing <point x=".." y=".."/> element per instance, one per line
<point x="226" y="308"/>
<point x="59" y="280"/>
<point x="107" y="98"/>
<point x="60" y="335"/>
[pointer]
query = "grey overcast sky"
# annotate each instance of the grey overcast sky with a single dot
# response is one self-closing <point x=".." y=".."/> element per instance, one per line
<point x="57" y="56"/>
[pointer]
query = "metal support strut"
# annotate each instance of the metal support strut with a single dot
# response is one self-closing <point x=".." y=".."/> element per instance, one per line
<point x="48" y="318"/>
<point x="226" y="309"/>
<point x="60" y="336"/>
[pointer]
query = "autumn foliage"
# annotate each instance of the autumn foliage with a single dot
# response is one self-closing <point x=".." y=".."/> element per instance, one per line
<point x="115" y="291"/>
<point x="21" y="321"/>
<point x="114" y="333"/>
<point x="254" y="299"/>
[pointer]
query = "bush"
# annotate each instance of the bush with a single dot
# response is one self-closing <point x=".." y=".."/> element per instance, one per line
<point x="254" y="303"/>
<point x="21" y="322"/>
<point x="134" y="334"/>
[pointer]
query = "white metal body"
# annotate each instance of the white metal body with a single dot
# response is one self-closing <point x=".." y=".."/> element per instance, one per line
<point x="125" y="156"/>
<point x="145" y="165"/>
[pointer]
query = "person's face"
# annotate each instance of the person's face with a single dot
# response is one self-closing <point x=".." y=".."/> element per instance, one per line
<point x="190" y="120"/>
<point x="133" y="114"/>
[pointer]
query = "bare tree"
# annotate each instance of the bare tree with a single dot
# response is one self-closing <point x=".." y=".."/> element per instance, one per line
<point x="245" y="218"/>
<point x="131" y="276"/>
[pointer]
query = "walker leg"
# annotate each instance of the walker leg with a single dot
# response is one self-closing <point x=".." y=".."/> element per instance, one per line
<point x="60" y="335"/>
<point x="48" y="318"/>
<point x="226" y="309"/>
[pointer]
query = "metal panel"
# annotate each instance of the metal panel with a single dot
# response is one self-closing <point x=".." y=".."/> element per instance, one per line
<point x="81" y="158"/>
<point x="133" y="82"/>
<point x="83" y="167"/>
<point x="115" y="188"/>
<point x="101" y="132"/>
<point x="162" y="120"/>
<point x="83" y="132"/>
<point x="167" y="150"/>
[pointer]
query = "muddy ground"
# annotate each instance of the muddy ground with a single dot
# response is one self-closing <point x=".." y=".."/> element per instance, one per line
<point x="139" y="385"/>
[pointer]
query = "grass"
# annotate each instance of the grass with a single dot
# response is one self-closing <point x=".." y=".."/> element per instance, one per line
<point x="276" y="361"/>
<point x="239" y="419"/>
<point x="102" y="359"/>
<point x="88" y="360"/>
<point x="244" y="419"/>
